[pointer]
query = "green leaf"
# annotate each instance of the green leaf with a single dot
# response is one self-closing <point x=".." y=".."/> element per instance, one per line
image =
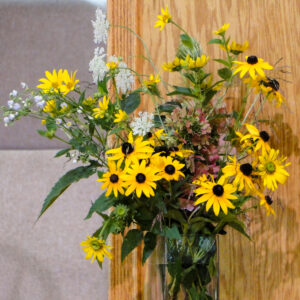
<point x="169" y="106"/>
<point x="178" y="90"/>
<point x="65" y="181"/>
<point x="186" y="40"/>
<point x="62" y="152"/>
<point x="149" y="245"/>
<point x="215" y="41"/>
<point x="169" y="232"/>
<point x="101" y="204"/>
<point x="131" y="103"/>
<point x="81" y="98"/>
<point x="51" y="125"/>
<point x="91" y="129"/>
<point x="225" y="73"/>
<point x="131" y="241"/>
<point x="190" y="77"/>
<point x="176" y="215"/>
<point x="222" y="61"/>
<point x="208" y="96"/>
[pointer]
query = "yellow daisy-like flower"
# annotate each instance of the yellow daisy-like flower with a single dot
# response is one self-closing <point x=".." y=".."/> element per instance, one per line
<point x="120" y="116"/>
<point x="112" y="180"/>
<point x="89" y="101"/>
<point x="141" y="179"/>
<point x="172" y="66"/>
<point x="53" y="82"/>
<point x="179" y="151"/>
<point x="163" y="19"/>
<point x="236" y="48"/>
<point x="241" y="173"/>
<point x="255" y="138"/>
<point x="190" y="63"/>
<point x="221" y="30"/>
<point x="155" y="138"/>
<point x="216" y="194"/>
<point x="272" y="169"/>
<point x="50" y="107"/>
<point x="69" y="82"/>
<point x="131" y="151"/>
<point x="43" y="122"/>
<point x="96" y="249"/>
<point x="252" y="65"/>
<point x="267" y="202"/>
<point x="273" y="94"/>
<point x="200" y="179"/>
<point x="152" y="80"/>
<point x="112" y="65"/>
<point x="171" y="169"/>
<point x="99" y="112"/>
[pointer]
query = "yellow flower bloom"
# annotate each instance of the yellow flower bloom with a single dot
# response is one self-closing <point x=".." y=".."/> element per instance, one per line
<point x="140" y="179"/>
<point x="131" y="151"/>
<point x="112" y="180"/>
<point x="267" y="201"/>
<point x="190" y="63"/>
<point x="96" y="249"/>
<point x="171" y="169"/>
<point x="221" y="30"/>
<point x="172" y="66"/>
<point x="272" y="169"/>
<point x="272" y="95"/>
<point x="152" y="80"/>
<point x="155" y="138"/>
<point x="255" y="139"/>
<point x="252" y="65"/>
<point x="216" y="194"/>
<point x="112" y="65"/>
<point x="50" y="107"/>
<point x="43" y="122"/>
<point x="236" y="48"/>
<point x="99" y="112"/>
<point x="89" y="101"/>
<point x="242" y="175"/>
<point x="163" y="19"/>
<point x="69" y="82"/>
<point x="179" y="151"/>
<point x="120" y="116"/>
<point x="53" y="82"/>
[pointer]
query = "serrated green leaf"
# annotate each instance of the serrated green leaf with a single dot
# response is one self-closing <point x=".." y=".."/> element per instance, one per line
<point x="62" y="152"/>
<point x="131" y="103"/>
<point x="101" y="204"/>
<point x="132" y="239"/>
<point x="149" y="245"/>
<point x="225" y="73"/>
<point x="65" y="181"/>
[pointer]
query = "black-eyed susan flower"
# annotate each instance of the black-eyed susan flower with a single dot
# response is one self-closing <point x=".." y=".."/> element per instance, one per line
<point x="267" y="202"/>
<point x="69" y="82"/>
<point x="155" y="137"/>
<point x="252" y="65"/>
<point x="256" y="139"/>
<point x="216" y="194"/>
<point x="242" y="174"/>
<point x="95" y="249"/>
<point x="179" y="151"/>
<point x="163" y="19"/>
<point x="222" y="30"/>
<point x="141" y="179"/>
<point x="272" y="169"/>
<point x="171" y="169"/>
<point x="99" y="112"/>
<point x="131" y="151"/>
<point x="152" y="80"/>
<point x="112" y="180"/>
<point x="52" y="82"/>
<point x="120" y="116"/>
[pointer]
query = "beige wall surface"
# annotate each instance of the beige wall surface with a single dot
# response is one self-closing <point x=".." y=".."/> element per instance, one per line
<point x="34" y="38"/>
<point x="44" y="261"/>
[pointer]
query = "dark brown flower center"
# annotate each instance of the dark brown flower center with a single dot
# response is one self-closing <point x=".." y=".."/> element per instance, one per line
<point x="149" y="135"/>
<point x="264" y="135"/>
<point x="174" y="149"/>
<point x="252" y="60"/>
<point x="246" y="169"/>
<point x="218" y="190"/>
<point x="170" y="169"/>
<point x="269" y="200"/>
<point x="127" y="148"/>
<point x="114" y="178"/>
<point x="140" y="178"/>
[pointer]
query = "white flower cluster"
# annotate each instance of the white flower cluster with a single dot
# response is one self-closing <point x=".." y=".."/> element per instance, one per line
<point x="101" y="26"/>
<point x="98" y="65"/>
<point x="39" y="101"/>
<point x="142" y="125"/>
<point x="14" y="105"/>
<point x="124" y="79"/>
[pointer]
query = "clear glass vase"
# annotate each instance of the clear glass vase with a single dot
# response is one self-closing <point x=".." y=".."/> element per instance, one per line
<point x="184" y="269"/>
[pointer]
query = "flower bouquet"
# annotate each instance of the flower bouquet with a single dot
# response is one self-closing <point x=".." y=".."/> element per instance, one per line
<point x="180" y="174"/>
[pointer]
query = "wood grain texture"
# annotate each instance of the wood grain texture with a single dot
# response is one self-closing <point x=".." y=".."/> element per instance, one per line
<point x="268" y="267"/>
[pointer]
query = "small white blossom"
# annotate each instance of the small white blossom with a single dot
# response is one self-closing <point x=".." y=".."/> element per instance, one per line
<point x="10" y="103"/>
<point x="11" y="117"/>
<point x="68" y="124"/>
<point x="124" y="79"/>
<point x="79" y="111"/>
<point x="142" y="125"/>
<point x="41" y="104"/>
<point x="17" y="106"/>
<point x="74" y="161"/>
<point x="24" y="85"/>
<point x="38" y="98"/>
<point x="101" y="26"/>
<point x="14" y="93"/>
<point x="64" y="105"/>
<point x="6" y="120"/>
<point x="98" y="65"/>
<point x="58" y="121"/>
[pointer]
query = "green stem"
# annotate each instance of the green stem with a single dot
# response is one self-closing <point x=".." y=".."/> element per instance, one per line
<point x="250" y="109"/>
